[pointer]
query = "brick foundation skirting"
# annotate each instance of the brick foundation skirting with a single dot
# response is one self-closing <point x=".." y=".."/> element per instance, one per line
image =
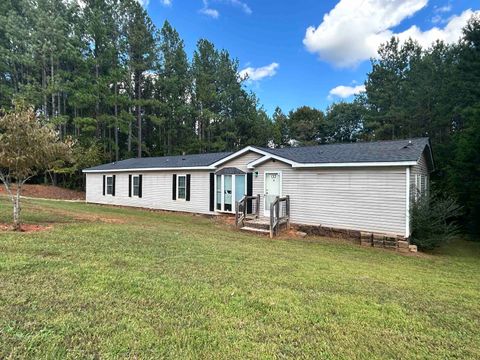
<point x="363" y="238"/>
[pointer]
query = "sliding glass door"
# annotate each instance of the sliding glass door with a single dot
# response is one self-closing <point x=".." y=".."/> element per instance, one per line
<point x="218" y="193"/>
<point x="227" y="192"/>
<point x="229" y="189"/>
<point x="240" y="187"/>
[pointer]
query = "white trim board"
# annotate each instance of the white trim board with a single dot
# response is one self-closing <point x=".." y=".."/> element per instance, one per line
<point x="255" y="163"/>
<point x="269" y="156"/>
<point x="407" y="202"/>
<point x="357" y="164"/>
<point x="151" y="169"/>
<point x="237" y="154"/>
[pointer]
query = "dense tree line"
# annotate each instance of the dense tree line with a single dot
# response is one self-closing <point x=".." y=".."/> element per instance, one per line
<point x="433" y="92"/>
<point x="412" y="92"/>
<point x="103" y="74"/>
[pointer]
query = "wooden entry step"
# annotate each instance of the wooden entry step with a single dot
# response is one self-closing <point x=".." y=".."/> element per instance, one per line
<point x="257" y="224"/>
<point x="255" y="230"/>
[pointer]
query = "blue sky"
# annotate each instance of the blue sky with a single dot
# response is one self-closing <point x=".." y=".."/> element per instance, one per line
<point x="308" y="52"/>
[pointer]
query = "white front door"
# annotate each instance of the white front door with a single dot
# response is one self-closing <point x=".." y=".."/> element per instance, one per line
<point x="273" y="188"/>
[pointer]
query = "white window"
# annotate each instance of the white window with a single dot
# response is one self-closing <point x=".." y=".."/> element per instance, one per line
<point x="229" y="189"/>
<point x="219" y="192"/>
<point x="182" y="187"/>
<point x="421" y="186"/>
<point x="109" y="185"/>
<point x="136" y="185"/>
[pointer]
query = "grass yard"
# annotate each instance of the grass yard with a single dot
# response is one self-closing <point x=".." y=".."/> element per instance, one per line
<point x="124" y="283"/>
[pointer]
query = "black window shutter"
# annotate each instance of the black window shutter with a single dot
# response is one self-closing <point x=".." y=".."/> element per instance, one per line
<point x="249" y="184"/>
<point x="174" y="187"/>
<point x="139" y="186"/>
<point x="113" y="185"/>
<point x="187" y="192"/>
<point x="130" y="185"/>
<point x="104" y="180"/>
<point x="212" y="191"/>
<point x="249" y="192"/>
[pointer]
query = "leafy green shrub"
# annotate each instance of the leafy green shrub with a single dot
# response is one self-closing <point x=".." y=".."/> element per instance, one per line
<point x="433" y="220"/>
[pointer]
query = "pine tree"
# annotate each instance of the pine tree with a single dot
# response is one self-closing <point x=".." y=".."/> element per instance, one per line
<point x="173" y="87"/>
<point x="281" y="129"/>
<point x="140" y="43"/>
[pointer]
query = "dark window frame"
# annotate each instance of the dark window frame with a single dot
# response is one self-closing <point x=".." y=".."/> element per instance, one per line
<point x="109" y="184"/>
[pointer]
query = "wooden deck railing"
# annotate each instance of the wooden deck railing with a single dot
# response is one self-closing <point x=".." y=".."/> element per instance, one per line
<point x="279" y="214"/>
<point x="247" y="207"/>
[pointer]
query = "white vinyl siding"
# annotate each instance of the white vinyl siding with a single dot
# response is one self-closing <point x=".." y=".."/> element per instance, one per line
<point x="156" y="191"/>
<point x="370" y="199"/>
<point x="241" y="161"/>
<point x="419" y="178"/>
<point x="362" y="198"/>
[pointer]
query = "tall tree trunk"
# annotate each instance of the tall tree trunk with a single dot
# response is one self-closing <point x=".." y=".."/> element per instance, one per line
<point x="97" y="95"/>
<point x="202" y="128"/>
<point x="52" y="81"/>
<point x="116" y="123"/>
<point x="131" y="96"/>
<point x="75" y="127"/>
<point x="64" y="96"/>
<point x="16" y="207"/>
<point x="44" y="86"/>
<point x="139" y="115"/>
<point x="110" y="142"/>
<point x="129" y="140"/>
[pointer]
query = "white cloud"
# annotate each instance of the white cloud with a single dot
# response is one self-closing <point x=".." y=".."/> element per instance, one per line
<point x="256" y="74"/>
<point x="210" y="12"/>
<point x="245" y="8"/>
<point x="352" y="31"/>
<point x="443" y="9"/>
<point x="166" y="2"/>
<point x="214" y="13"/>
<point x="343" y="91"/>
<point x="439" y="12"/>
<point x="437" y="19"/>
<point x="450" y="33"/>
<point x="206" y="10"/>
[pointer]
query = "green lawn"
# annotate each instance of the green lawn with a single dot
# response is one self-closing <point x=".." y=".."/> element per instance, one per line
<point x="124" y="283"/>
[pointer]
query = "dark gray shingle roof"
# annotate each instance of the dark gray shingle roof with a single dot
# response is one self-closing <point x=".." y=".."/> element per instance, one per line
<point x="377" y="151"/>
<point x="196" y="160"/>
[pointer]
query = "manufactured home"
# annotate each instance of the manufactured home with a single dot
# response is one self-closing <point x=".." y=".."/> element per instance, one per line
<point x="364" y="186"/>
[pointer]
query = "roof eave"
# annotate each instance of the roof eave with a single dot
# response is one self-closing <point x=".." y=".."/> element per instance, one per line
<point x="257" y="162"/>
<point x="148" y="169"/>
<point x="239" y="153"/>
<point x="355" y="164"/>
<point x="432" y="159"/>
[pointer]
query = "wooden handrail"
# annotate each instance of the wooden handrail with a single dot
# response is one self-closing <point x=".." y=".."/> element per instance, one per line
<point x="241" y="209"/>
<point x="276" y="219"/>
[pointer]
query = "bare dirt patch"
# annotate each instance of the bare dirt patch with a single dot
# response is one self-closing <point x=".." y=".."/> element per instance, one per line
<point x="80" y="216"/>
<point x="26" y="227"/>
<point x="225" y="219"/>
<point x="93" y="218"/>
<point x="49" y="192"/>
